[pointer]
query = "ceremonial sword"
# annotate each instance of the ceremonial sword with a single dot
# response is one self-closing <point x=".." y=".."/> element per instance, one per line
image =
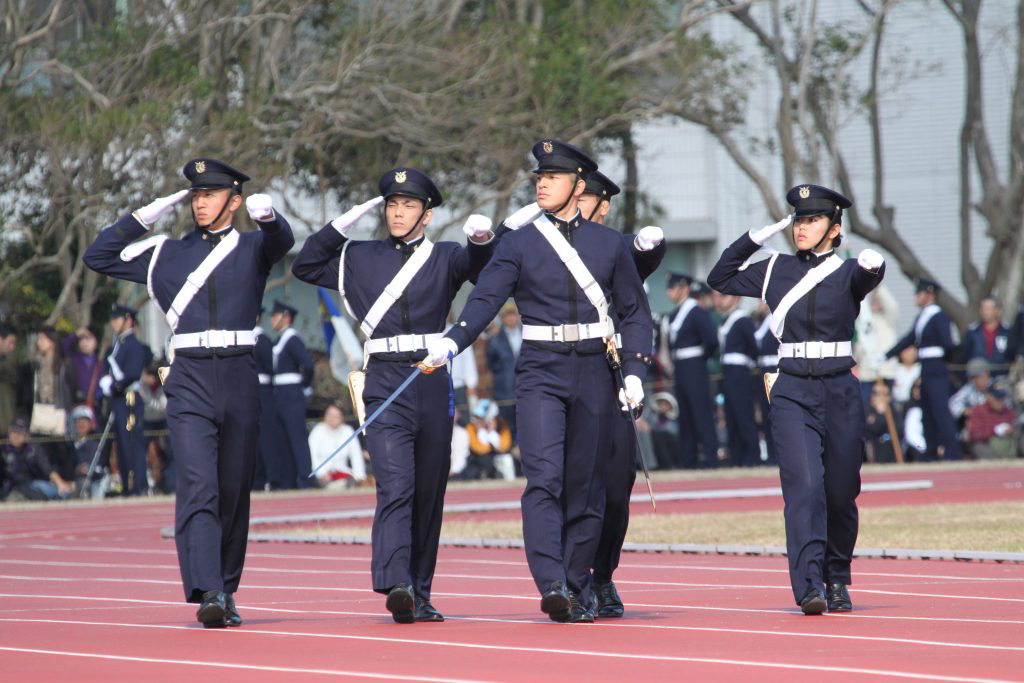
<point x="613" y="360"/>
<point x="96" y="456"/>
<point x="420" y="368"/>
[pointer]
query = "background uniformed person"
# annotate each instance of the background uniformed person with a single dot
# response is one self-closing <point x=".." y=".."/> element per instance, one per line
<point x="933" y="337"/>
<point x="293" y="374"/>
<point x="565" y="390"/>
<point x="692" y="339"/>
<point x="212" y="390"/>
<point x="410" y="443"/>
<point x="267" y="473"/>
<point x="767" y="362"/>
<point x="817" y="413"/>
<point x="739" y="360"/>
<point x="124" y="362"/>
<point x="648" y="249"/>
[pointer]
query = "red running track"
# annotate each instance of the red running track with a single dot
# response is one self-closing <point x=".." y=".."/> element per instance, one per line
<point x="92" y="593"/>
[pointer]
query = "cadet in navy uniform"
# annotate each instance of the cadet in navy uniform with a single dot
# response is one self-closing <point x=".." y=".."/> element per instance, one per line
<point x="933" y="337"/>
<point x="767" y="362"/>
<point x="739" y="361"/>
<point x="692" y="339"/>
<point x="212" y="389"/>
<point x="565" y="390"/>
<point x="267" y="472"/>
<point x="410" y="443"/>
<point x="648" y="249"/>
<point x="817" y="413"/>
<point x="125" y="361"/>
<point x="293" y="374"/>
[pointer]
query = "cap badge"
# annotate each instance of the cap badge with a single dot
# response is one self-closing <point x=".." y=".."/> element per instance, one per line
<point x="399" y="176"/>
<point x="805" y="192"/>
<point x="548" y="147"/>
<point x="200" y="167"/>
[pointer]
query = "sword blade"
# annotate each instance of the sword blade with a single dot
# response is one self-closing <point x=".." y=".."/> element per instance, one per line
<point x="401" y="387"/>
<point x="96" y="455"/>
<point x="639" y="450"/>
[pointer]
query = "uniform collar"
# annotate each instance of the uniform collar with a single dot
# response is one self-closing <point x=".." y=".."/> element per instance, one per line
<point x="214" y="237"/>
<point x="406" y="247"/>
<point x="570" y="224"/>
<point x="808" y="256"/>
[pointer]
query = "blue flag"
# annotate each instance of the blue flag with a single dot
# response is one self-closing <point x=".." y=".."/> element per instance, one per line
<point x="327" y="311"/>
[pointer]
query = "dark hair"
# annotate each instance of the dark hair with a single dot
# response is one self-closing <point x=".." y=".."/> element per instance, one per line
<point x="6" y="330"/>
<point x="58" y="355"/>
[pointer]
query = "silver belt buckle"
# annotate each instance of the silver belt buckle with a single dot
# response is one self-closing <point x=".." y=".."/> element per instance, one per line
<point x="812" y="349"/>
<point x="570" y="333"/>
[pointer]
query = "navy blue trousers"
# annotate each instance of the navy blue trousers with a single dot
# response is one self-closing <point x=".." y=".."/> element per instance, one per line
<point x="565" y="406"/>
<point x="818" y="429"/>
<point x="696" y="412"/>
<point x="213" y="409"/>
<point x="295" y="464"/>
<point x="620" y="478"/>
<point x="410" y="446"/>
<point x="939" y="426"/>
<point x="766" y="417"/>
<point x="131" y="446"/>
<point x="278" y="467"/>
<point x="738" y="389"/>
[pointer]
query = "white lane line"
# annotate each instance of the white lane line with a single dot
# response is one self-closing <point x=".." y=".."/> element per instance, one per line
<point x="442" y="560"/>
<point x="541" y="650"/>
<point x="247" y="667"/>
<point x="704" y="608"/>
<point x="716" y="586"/>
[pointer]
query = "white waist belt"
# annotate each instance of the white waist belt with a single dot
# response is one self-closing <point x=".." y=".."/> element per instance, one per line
<point x="738" y="359"/>
<point x="767" y="361"/>
<point x="213" y="339"/>
<point x="931" y="352"/>
<point x="688" y="352"/>
<point x="284" y="378"/>
<point x="815" y="349"/>
<point x="400" y="344"/>
<point x="264" y="378"/>
<point x="567" y="333"/>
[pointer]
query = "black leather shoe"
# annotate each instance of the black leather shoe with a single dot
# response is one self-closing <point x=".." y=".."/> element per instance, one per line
<point x="578" y="613"/>
<point x="609" y="604"/>
<point x="555" y="602"/>
<point x="426" y="612"/>
<point x="212" y="610"/>
<point x="231" y="616"/>
<point x="813" y="602"/>
<point x="839" y="598"/>
<point x="401" y="604"/>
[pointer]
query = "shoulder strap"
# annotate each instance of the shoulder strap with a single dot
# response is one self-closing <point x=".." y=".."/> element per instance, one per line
<point x="729" y="322"/>
<point x="680" y="317"/>
<point x="341" y="279"/>
<point x="198" y="277"/>
<point x="281" y="343"/>
<point x="768" y="276"/>
<point x="571" y="258"/>
<point x="811" y="279"/>
<point x="927" y="313"/>
<point x="395" y="288"/>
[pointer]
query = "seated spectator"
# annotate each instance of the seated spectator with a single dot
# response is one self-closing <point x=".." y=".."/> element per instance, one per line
<point x="27" y="473"/>
<point x="973" y="393"/>
<point x="664" y="429"/>
<point x="989" y="338"/>
<point x="84" y="447"/>
<point x="880" y="446"/>
<point x="990" y="427"/>
<point x="489" y="437"/>
<point x="347" y="468"/>
<point x="460" y="447"/>
<point x="914" y="443"/>
<point x="905" y="375"/>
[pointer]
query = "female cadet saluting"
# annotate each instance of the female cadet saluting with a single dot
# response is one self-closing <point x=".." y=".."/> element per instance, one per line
<point x="816" y="412"/>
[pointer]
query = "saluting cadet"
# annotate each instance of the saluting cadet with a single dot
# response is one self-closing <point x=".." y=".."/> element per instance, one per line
<point x="400" y="290"/>
<point x="125" y="361"/>
<point x="268" y="472"/>
<point x="565" y="390"/>
<point x="739" y="360"/>
<point x="692" y="339"/>
<point x="648" y="249"/>
<point x="933" y="337"/>
<point x="209" y="285"/>
<point x="767" y="362"/>
<point x="817" y="412"/>
<point x="293" y="375"/>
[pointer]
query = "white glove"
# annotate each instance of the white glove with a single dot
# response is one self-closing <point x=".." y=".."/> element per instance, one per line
<point x="649" y="237"/>
<point x="869" y="259"/>
<point x="632" y="394"/>
<point x="477" y="226"/>
<point x="107" y="385"/>
<point x="525" y="215"/>
<point x="761" y="235"/>
<point x="260" y="207"/>
<point x="440" y="351"/>
<point x="346" y="220"/>
<point x="151" y="212"/>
